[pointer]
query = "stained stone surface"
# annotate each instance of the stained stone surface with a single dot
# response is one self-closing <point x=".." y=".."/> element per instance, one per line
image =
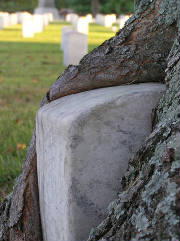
<point x="84" y="142"/>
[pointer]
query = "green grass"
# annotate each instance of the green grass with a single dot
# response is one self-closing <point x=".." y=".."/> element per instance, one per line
<point x="27" y="68"/>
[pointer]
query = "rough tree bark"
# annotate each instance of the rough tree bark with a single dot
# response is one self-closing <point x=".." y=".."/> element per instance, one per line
<point x="136" y="54"/>
<point x="148" y="208"/>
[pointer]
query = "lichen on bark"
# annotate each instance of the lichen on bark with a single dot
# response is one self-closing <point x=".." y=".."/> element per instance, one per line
<point x="149" y="206"/>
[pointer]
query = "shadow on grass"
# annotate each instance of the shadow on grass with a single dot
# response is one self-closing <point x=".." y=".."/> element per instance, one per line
<point x="60" y="23"/>
<point x="99" y="28"/>
<point x="9" y="29"/>
<point x="29" y="47"/>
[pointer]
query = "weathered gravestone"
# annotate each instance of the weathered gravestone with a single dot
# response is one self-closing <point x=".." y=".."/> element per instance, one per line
<point x="13" y="19"/>
<point x="109" y="20"/>
<point x="137" y="53"/>
<point x="89" y="18"/>
<point x="84" y="142"/>
<point x="99" y="19"/>
<point x="106" y="20"/>
<point x="38" y="23"/>
<point x="64" y="30"/>
<point x="72" y="17"/>
<point x="50" y="16"/>
<point x="6" y="19"/>
<point x="47" y="6"/>
<point x="45" y="19"/>
<point x="75" y="47"/>
<point x="27" y="26"/>
<point x="81" y="25"/>
<point x="122" y="19"/>
<point x="1" y="22"/>
<point x="20" y="17"/>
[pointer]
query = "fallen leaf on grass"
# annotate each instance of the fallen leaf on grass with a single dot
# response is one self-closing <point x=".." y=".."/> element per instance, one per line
<point x="45" y="62"/>
<point x="20" y="146"/>
<point x="17" y="100"/>
<point x="27" y="99"/>
<point x="9" y="150"/>
<point x="30" y="57"/>
<point x="2" y="101"/>
<point x="17" y="121"/>
<point x="35" y="80"/>
<point x="1" y="79"/>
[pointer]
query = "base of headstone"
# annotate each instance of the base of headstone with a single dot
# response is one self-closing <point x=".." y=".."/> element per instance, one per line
<point x="42" y="10"/>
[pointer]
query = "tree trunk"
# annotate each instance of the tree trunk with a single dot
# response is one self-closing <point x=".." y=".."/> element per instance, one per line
<point x="136" y="54"/>
<point x="95" y="7"/>
<point x="148" y="207"/>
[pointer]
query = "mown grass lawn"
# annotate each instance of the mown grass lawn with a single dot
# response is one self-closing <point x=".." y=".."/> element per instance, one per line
<point x="27" y="68"/>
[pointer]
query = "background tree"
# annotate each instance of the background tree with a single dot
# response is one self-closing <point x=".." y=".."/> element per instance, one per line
<point x="95" y="7"/>
<point x="79" y="6"/>
<point x="18" y="5"/>
<point x="118" y="7"/>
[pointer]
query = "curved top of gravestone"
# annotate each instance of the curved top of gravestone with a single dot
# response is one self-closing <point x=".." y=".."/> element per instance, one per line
<point x="70" y="106"/>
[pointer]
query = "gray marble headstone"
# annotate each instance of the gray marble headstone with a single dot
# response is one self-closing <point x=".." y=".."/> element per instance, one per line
<point x="64" y="30"/>
<point x="47" y="6"/>
<point x="75" y="47"/>
<point x="84" y="143"/>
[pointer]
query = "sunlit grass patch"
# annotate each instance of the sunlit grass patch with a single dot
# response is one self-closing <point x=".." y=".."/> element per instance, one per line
<point x="28" y="66"/>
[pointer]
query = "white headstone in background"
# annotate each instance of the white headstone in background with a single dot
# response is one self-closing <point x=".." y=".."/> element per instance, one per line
<point x="1" y="22"/>
<point x="81" y="25"/>
<point x="75" y="47"/>
<point x="6" y="19"/>
<point x="84" y="143"/>
<point x="106" y="20"/>
<point x="89" y="18"/>
<point x="27" y="26"/>
<point x="14" y="19"/>
<point x="38" y="23"/>
<point x="46" y="19"/>
<point x="122" y="19"/>
<point x="114" y="28"/>
<point x="109" y="20"/>
<point x="99" y="19"/>
<point x="25" y="15"/>
<point x="47" y="6"/>
<point x="68" y="17"/>
<point x="20" y="16"/>
<point x="64" y="30"/>
<point x="72" y="18"/>
<point x="50" y="16"/>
